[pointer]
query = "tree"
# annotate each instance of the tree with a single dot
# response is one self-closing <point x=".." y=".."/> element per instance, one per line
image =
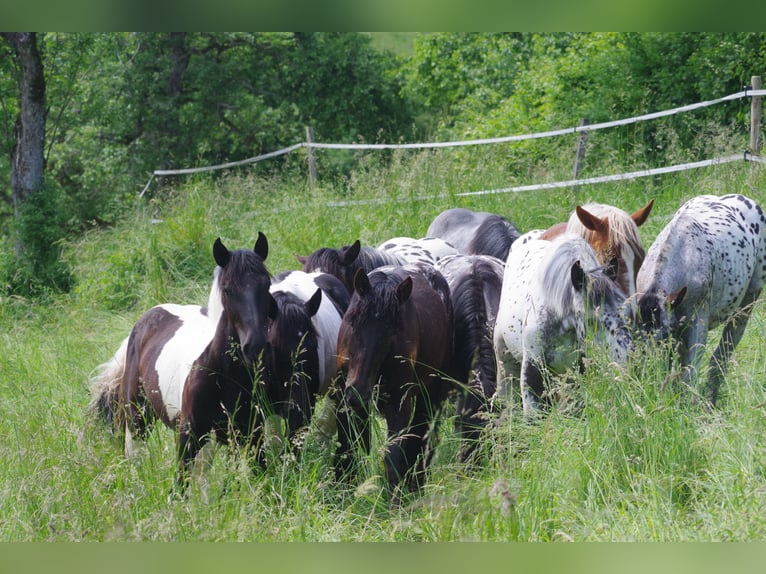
<point x="28" y="155"/>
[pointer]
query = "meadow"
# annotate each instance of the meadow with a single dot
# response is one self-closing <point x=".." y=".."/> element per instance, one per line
<point x="636" y="463"/>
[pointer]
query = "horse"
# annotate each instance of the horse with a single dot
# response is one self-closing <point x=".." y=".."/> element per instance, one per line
<point x="226" y="389"/>
<point x="613" y="234"/>
<point x="474" y="232"/>
<point x="428" y="250"/>
<point x="552" y="292"/>
<point x="706" y="268"/>
<point x="144" y="379"/>
<point x="343" y="262"/>
<point x="395" y="346"/>
<point x="303" y="340"/>
<point x="475" y="283"/>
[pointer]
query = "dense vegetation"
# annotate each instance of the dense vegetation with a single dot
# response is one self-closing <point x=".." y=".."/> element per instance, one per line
<point x="119" y="106"/>
<point x="637" y="463"/>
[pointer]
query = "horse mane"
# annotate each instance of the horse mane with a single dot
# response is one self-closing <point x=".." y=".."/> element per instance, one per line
<point x="556" y="268"/>
<point x="382" y="302"/>
<point x="214" y="301"/>
<point x="371" y="257"/>
<point x="622" y="228"/>
<point x="494" y="236"/>
<point x="473" y="294"/>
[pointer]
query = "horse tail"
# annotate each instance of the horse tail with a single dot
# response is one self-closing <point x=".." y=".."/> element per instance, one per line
<point x="105" y="386"/>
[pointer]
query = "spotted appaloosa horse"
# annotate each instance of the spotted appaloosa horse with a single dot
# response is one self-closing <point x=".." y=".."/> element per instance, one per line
<point x="613" y="234"/>
<point x="551" y="291"/>
<point x="475" y="283"/>
<point x="706" y="268"/>
<point x="395" y="345"/>
<point x="343" y="262"/>
<point x="474" y="232"/>
<point x="428" y="250"/>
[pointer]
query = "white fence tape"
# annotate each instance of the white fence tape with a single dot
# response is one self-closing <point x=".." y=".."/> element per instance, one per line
<point x="569" y="183"/>
<point x="486" y="141"/>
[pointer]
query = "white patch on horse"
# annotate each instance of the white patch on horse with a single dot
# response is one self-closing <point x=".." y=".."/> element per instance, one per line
<point x="179" y="353"/>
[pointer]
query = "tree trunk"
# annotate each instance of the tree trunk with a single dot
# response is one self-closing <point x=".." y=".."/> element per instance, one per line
<point x="28" y="155"/>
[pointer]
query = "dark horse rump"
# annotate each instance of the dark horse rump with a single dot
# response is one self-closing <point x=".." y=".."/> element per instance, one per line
<point x="395" y="345"/>
<point x="475" y="283"/>
<point x="475" y="232"/>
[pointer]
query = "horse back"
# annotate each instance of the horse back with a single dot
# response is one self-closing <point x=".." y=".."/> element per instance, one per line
<point x="162" y="346"/>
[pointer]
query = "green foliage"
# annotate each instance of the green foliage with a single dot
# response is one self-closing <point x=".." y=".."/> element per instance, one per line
<point x="37" y="268"/>
<point x="624" y="458"/>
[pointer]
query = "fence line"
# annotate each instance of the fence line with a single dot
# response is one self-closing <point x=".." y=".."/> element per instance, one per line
<point x="569" y="183"/>
<point x="484" y="141"/>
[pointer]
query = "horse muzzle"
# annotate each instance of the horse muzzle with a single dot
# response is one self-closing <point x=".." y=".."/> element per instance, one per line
<point x="357" y="399"/>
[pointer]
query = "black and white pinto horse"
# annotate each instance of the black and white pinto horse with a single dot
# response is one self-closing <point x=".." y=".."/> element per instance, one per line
<point x="343" y="262"/>
<point x="192" y="367"/>
<point x="706" y="268"/>
<point x="303" y="342"/>
<point x="552" y="291"/>
<point x="475" y="283"/>
<point x="474" y="232"/>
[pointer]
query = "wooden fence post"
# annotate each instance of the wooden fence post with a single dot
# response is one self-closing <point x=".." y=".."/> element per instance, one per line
<point x="755" y="116"/>
<point x="580" y="151"/>
<point x="311" y="158"/>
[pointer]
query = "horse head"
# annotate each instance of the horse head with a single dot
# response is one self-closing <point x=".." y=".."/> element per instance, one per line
<point x="248" y="306"/>
<point x="368" y="331"/>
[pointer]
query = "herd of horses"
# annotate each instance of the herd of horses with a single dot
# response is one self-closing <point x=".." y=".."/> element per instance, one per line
<point x="475" y="310"/>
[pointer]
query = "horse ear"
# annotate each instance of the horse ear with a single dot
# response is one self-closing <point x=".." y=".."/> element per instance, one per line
<point x="273" y="308"/>
<point x="404" y="290"/>
<point x="351" y="252"/>
<point x="261" y="246"/>
<point x="220" y="253"/>
<point x="361" y="282"/>
<point x="591" y="221"/>
<point x="675" y="299"/>
<point x="578" y="276"/>
<point x="312" y="305"/>
<point x="612" y="268"/>
<point x="639" y="217"/>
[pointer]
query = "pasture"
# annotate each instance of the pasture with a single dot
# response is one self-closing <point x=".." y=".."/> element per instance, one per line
<point x="636" y="463"/>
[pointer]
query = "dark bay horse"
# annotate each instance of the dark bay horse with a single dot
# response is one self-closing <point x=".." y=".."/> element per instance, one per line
<point x="474" y="232"/>
<point x="343" y="262"/>
<point x="224" y="394"/>
<point x="475" y="283"/>
<point x="303" y="342"/>
<point x="395" y="346"/>
<point x="706" y="268"/>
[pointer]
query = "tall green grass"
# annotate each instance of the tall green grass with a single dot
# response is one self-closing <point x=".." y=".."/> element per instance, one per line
<point x="635" y="461"/>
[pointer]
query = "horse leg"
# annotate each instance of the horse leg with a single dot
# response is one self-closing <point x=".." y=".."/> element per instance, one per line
<point x="353" y="432"/>
<point x="470" y="420"/>
<point x="189" y="445"/>
<point x="531" y="384"/>
<point x="730" y="338"/>
<point x="407" y="428"/>
<point x="691" y="350"/>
